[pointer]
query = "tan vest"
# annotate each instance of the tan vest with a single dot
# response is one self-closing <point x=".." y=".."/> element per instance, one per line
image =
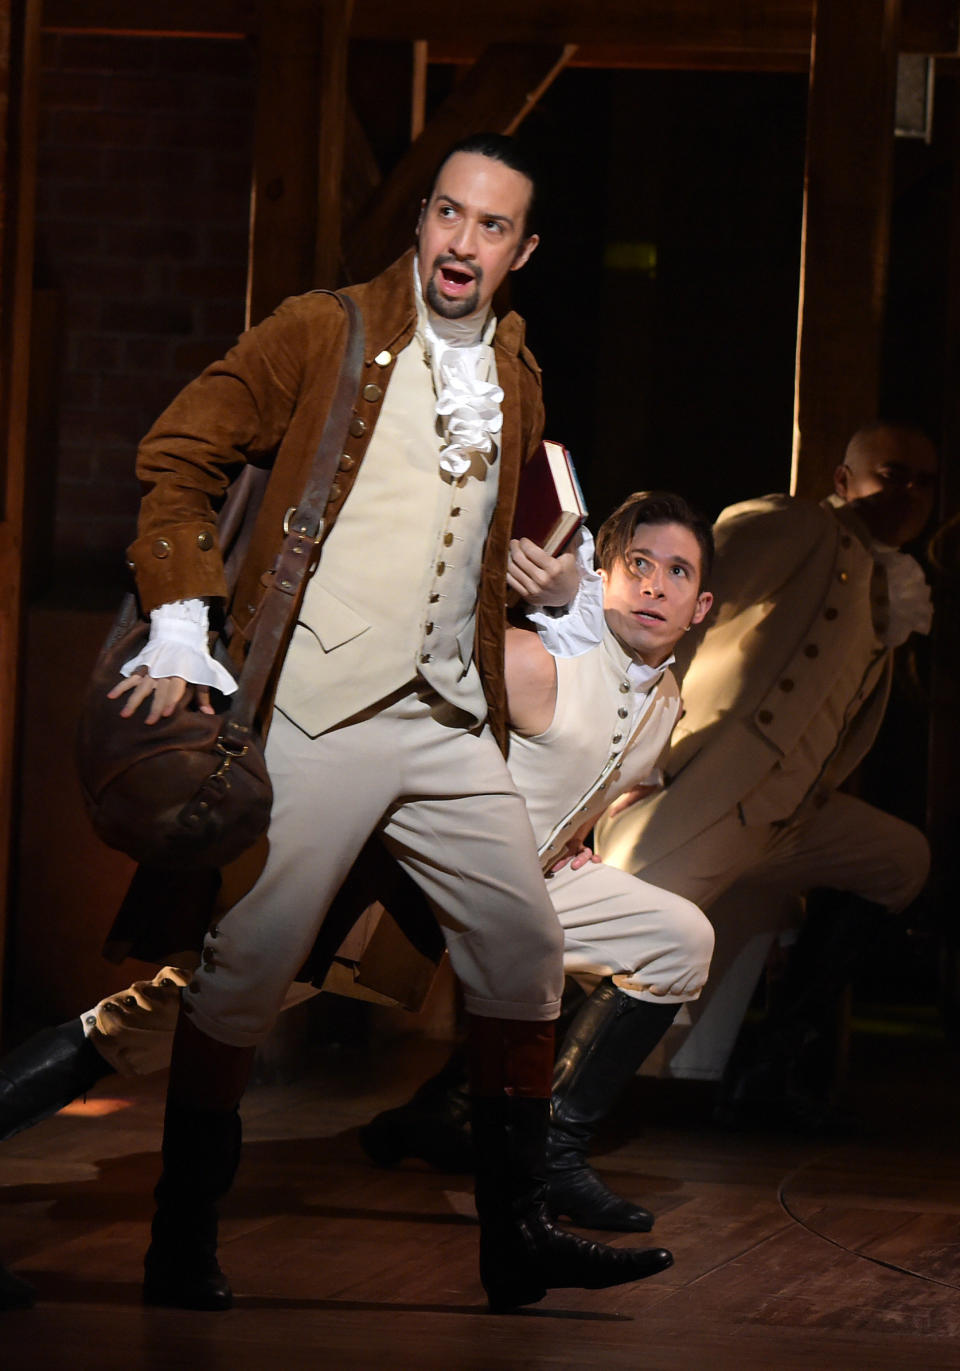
<point x="605" y="737"/>
<point x="394" y="596"/>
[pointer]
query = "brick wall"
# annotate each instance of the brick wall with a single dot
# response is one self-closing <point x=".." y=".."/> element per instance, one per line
<point x="143" y="204"/>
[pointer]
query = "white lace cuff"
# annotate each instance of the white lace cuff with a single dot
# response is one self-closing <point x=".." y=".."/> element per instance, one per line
<point x="178" y="647"/>
<point x="571" y="630"/>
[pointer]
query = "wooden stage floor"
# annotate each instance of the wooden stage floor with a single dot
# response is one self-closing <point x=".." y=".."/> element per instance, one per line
<point x="838" y="1254"/>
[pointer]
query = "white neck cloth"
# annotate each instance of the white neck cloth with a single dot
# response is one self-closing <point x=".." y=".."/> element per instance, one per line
<point x="468" y="404"/>
<point x="911" y="608"/>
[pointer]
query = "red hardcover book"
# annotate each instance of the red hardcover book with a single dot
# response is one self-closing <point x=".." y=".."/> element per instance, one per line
<point x="550" y="504"/>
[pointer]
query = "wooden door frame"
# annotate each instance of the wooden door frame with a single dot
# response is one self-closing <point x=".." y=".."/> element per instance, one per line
<point x="19" y="64"/>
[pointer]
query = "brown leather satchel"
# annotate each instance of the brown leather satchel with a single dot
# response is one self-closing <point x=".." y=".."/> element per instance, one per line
<point x="193" y="790"/>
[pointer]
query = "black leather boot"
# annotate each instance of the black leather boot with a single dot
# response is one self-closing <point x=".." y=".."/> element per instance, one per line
<point x="606" y="1043"/>
<point x="201" y="1151"/>
<point x="45" y="1073"/>
<point x="522" y="1254"/>
<point x="434" y="1125"/>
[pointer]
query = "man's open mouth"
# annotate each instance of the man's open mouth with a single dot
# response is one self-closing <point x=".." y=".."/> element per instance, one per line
<point x="454" y="278"/>
<point x="650" y="614"/>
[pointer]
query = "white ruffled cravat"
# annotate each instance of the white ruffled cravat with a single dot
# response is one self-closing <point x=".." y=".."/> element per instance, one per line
<point x="911" y="607"/>
<point x="467" y="402"/>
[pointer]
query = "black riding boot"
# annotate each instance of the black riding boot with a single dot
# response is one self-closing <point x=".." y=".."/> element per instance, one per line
<point x="36" y="1079"/>
<point x="522" y="1254"/>
<point x="434" y="1124"/>
<point x="609" y="1039"/>
<point x="201" y="1151"/>
<point x="45" y="1073"/>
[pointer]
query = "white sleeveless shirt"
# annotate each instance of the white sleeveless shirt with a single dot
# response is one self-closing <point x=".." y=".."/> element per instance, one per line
<point x="605" y="737"/>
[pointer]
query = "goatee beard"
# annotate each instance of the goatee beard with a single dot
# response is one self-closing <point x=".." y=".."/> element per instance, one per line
<point x="451" y="309"/>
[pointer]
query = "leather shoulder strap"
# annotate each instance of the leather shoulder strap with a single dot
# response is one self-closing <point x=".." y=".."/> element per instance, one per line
<point x="304" y="530"/>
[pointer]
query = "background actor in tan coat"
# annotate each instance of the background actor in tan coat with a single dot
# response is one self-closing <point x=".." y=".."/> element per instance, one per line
<point x="783" y="699"/>
<point x="381" y="704"/>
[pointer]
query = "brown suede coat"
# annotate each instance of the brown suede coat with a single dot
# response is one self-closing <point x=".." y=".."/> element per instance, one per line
<point x="266" y="403"/>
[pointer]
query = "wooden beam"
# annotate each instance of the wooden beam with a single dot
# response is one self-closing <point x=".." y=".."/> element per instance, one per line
<point x="661" y="27"/>
<point x="633" y="57"/>
<point x="497" y="93"/>
<point x="361" y="172"/>
<point x="177" y="18"/>
<point x="19" y="84"/>
<point x="846" y="232"/>
<point x="769" y="26"/>
<point x="332" y="139"/>
<point x="943" y="803"/>
<point x="284" y="201"/>
<point x="418" y="90"/>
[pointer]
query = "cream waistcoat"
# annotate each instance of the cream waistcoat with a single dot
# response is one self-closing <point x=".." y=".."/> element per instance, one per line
<point x="394" y="596"/>
<point x="605" y="737"/>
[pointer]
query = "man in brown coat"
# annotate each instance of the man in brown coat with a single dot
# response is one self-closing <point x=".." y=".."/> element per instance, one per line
<point x="388" y="706"/>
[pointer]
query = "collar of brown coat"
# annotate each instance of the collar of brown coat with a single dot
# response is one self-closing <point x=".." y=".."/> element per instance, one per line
<point x="390" y="314"/>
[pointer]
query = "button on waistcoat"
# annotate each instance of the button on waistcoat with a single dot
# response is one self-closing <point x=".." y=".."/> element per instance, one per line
<point x="394" y="595"/>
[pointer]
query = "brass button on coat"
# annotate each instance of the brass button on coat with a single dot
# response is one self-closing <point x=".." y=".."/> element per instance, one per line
<point x="428" y="628"/>
<point x="426" y="657"/>
<point x="334" y="491"/>
<point x="843" y="576"/>
<point x="447" y="539"/>
<point x="455" y="512"/>
<point x="347" y="463"/>
<point x="441" y="568"/>
<point x="372" y="393"/>
<point x="205" y="540"/>
<point x="162" y="548"/>
<point x="623" y="713"/>
<point x="624" y="687"/>
<point x="357" y="427"/>
<point x="384" y="358"/>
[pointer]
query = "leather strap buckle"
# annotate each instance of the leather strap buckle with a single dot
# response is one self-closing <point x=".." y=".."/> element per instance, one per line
<point x="303" y="531"/>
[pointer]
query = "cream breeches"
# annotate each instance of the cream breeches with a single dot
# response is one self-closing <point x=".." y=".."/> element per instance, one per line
<point x="748" y="878"/>
<point x="446" y="808"/>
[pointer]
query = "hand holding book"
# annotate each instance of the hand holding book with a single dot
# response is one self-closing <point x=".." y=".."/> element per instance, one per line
<point x="540" y="578"/>
<point x="550" y="503"/>
<point x="550" y="509"/>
